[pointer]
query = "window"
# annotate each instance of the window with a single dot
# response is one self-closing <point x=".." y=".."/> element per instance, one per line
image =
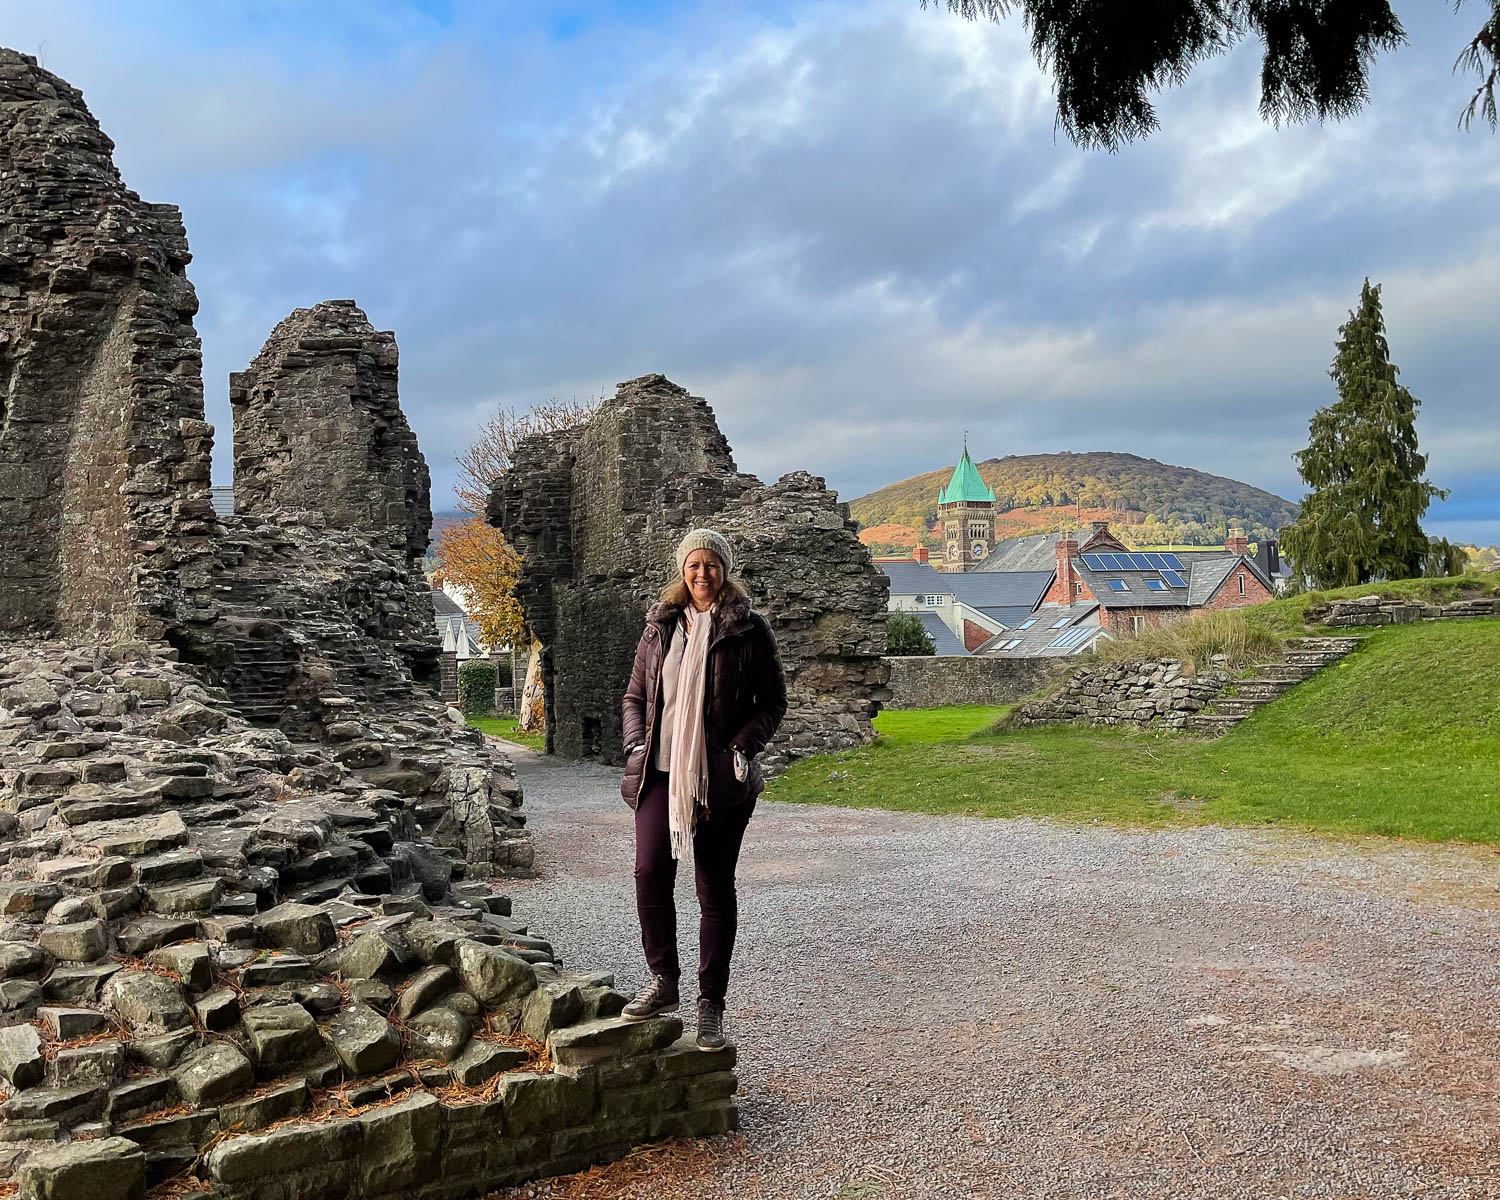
<point x="1242" y="584"/>
<point x="1137" y="624"/>
<point x="1156" y="585"/>
<point x="1012" y="644"/>
<point x="1118" y="585"/>
<point x="1060" y="624"/>
<point x="1027" y="624"/>
<point x="1077" y="588"/>
<point x="935" y="601"/>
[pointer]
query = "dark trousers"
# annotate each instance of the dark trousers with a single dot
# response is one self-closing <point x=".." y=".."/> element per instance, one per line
<point x="716" y="851"/>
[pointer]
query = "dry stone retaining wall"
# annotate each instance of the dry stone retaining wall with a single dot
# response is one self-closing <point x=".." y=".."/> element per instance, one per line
<point x="596" y="512"/>
<point x="1144" y="693"/>
<point x="934" y="681"/>
<point x="1377" y="610"/>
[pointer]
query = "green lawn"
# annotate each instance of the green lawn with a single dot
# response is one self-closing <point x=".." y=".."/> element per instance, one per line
<point x="505" y="727"/>
<point x="1402" y="739"/>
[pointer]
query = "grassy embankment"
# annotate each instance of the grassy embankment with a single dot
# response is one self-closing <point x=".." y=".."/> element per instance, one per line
<point x="505" y="727"/>
<point x="1402" y="738"/>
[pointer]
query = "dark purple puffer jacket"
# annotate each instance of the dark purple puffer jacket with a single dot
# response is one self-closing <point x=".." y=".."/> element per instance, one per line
<point x="744" y="699"/>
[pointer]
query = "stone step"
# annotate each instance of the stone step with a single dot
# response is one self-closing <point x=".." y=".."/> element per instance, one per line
<point x="1207" y="723"/>
<point x="1236" y="706"/>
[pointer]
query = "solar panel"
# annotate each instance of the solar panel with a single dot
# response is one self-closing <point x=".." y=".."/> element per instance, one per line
<point x="1113" y="562"/>
<point x="1094" y="562"/>
<point x="1173" y="561"/>
<point x="1119" y="585"/>
<point x="1158" y="560"/>
<point x="1072" y="638"/>
<point x="1173" y="578"/>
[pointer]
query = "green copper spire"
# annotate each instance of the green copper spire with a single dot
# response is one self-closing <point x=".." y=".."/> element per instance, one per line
<point x="966" y="486"/>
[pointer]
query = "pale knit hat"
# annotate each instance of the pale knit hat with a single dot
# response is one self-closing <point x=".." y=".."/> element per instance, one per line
<point x="706" y="539"/>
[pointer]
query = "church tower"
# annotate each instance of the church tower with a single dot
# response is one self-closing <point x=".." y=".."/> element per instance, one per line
<point x="966" y="508"/>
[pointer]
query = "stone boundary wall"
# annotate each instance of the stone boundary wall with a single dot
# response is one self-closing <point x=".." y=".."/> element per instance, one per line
<point x="1378" y="610"/>
<point x="935" y="681"/>
<point x="1126" y="694"/>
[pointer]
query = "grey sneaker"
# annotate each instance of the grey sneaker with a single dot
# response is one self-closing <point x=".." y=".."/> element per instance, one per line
<point x="658" y="996"/>
<point x="710" y="1025"/>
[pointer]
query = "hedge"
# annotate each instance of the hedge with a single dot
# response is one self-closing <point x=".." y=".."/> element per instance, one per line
<point x="476" y="687"/>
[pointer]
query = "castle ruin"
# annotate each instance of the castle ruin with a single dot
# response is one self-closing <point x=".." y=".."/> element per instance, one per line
<point x="251" y="939"/>
<point x="596" y="513"/>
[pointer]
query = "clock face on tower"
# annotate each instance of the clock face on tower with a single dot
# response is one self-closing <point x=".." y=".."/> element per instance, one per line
<point x="953" y="551"/>
<point x="978" y="549"/>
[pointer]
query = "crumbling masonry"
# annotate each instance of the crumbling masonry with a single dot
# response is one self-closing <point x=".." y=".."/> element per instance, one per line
<point x="596" y="512"/>
<point x="249" y="934"/>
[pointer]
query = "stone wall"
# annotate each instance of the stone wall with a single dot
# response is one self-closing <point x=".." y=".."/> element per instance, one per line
<point x="1157" y="691"/>
<point x="103" y="448"/>
<point x="1395" y="610"/>
<point x="596" y="513"/>
<point x="934" y="681"/>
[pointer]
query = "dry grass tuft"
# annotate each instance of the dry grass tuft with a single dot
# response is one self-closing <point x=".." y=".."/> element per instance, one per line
<point x="1198" y="641"/>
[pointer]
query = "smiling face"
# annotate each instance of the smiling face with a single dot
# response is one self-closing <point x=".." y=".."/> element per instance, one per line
<point x="704" y="575"/>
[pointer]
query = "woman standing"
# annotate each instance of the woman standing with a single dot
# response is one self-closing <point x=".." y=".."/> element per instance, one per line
<point x="705" y="696"/>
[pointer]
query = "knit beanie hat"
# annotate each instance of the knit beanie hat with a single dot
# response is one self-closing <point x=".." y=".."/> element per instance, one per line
<point x="706" y="539"/>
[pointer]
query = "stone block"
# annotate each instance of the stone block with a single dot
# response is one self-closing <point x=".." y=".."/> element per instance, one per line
<point x="147" y="1002"/>
<point x="540" y="1103"/>
<point x="21" y="1060"/>
<point x="294" y="926"/>
<point x="190" y="962"/>
<point x="280" y="1033"/>
<point x="213" y="1073"/>
<point x="684" y="1058"/>
<point x="400" y="1144"/>
<point x="483" y="1060"/>
<point x="239" y="1161"/>
<point x="491" y="974"/>
<point x="425" y="988"/>
<point x="437" y="1033"/>
<point x="265" y="1108"/>
<point x="111" y="1168"/>
<point x="364" y="1040"/>
<point x="611" y="1038"/>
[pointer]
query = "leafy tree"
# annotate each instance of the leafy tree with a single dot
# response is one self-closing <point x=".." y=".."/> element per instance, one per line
<point x="1362" y="518"/>
<point x="489" y="455"/>
<point x="1107" y="55"/>
<point x="904" y="634"/>
<point x="474" y="556"/>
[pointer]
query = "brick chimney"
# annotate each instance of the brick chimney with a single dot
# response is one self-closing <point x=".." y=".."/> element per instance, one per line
<point x="1237" y="542"/>
<point x="919" y="554"/>
<point x="1098" y="527"/>
<point x="1066" y="587"/>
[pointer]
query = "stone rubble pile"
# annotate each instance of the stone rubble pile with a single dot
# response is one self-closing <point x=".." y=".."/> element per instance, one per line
<point x="208" y="928"/>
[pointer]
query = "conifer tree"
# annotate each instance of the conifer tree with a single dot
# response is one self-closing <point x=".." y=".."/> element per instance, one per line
<point x="1361" y="520"/>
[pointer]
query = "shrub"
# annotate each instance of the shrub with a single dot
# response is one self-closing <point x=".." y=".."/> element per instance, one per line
<point x="904" y="634"/>
<point x="476" y="687"/>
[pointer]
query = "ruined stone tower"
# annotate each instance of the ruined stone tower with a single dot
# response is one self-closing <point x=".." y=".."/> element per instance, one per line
<point x="102" y="440"/>
<point x="596" y="512"/>
<point x="323" y="390"/>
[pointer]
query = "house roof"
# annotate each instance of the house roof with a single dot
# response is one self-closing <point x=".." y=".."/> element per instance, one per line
<point x="965" y="486"/>
<point x="1037" y="552"/>
<point x="1075" y="626"/>
<point x="977" y="589"/>
<point x="943" y="641"/>
<point x="1008" y="615"/>
<point x="1131" y="589"/>
<point x="1209" y="573"/>
<point x="455" y="628"/>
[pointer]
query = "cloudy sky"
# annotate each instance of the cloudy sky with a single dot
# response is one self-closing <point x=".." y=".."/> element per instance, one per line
<point x="849" y="224"/>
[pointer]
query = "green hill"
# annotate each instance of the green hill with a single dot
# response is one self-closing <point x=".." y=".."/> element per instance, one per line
<point x="1038" y="491"/>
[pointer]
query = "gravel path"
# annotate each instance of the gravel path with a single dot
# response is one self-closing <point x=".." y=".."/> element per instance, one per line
<point x="952" y="1007"/>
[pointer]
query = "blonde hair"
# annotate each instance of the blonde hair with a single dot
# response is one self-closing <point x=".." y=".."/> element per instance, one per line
<point x="676" y="592"/>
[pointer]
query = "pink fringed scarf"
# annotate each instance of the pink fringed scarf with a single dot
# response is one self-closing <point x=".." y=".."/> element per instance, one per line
<point x="687" y="777"/>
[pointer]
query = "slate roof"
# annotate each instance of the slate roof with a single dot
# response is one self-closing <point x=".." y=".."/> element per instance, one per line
<point x="1035" y="552"/>
<point x="1008" y="615"/>
<point x="977" y="589"/>
<point x="452" y="624"/>
<point x="1052" y="622"/>
<point x="966" y="485"/>
<point x="1208" y="573"/>
<point x="943" y="641"/>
